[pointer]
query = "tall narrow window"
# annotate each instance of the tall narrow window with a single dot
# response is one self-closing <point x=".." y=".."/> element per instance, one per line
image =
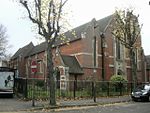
<point x="26" y="69"/>
<point x="137" y="56"/>
<point x="127" y="52"/>
<point x="94" y="52"/>
<point x="118" y="49"/>
<point x="40" y="67"/>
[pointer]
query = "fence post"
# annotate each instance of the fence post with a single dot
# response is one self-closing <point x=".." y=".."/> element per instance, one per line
<point x="33" y="91"/>
<point x="15" y="85"/>
<point x="120" y="87"/>
<point x="74" y="89"/>
<point x="131" y="87"/>
<point x="108" y="88"/>
<point x="94" y="91"/>
<point x="26" y="88"/>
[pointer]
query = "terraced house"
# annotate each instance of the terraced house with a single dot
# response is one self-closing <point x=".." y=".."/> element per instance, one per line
<point x="92" y="52"/>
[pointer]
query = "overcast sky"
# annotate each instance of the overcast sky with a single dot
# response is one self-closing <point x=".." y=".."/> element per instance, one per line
<point x="80" y="12"/>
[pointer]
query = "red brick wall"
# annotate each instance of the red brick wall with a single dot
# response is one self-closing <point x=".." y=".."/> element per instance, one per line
<point x="41" y="63"/>
<point x="83" y="50"/>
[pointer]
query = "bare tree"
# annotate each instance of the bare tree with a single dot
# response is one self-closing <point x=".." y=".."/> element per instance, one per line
<point x="126" y="29"/>
<point x="46" y="14"/>
<point x="3" y="42"/>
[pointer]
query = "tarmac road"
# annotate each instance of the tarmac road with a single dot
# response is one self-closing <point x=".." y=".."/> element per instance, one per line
<point x="127" y="107"/>
<point x="13" y="104"/>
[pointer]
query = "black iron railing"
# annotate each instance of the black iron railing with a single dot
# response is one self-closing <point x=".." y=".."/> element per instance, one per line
<point x="71" y="89"/>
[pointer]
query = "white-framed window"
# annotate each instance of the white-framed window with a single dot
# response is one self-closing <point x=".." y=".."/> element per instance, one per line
<point x="119" y="50"/>
<point x="137" y="58"/>
<point x="40" y="67"/>
<point x="83" y="35"/>
<point x="95" y="52"/>
<point x="127" y="53"/>
<point x="26" y="69"/>
<point x="66" y="70"/>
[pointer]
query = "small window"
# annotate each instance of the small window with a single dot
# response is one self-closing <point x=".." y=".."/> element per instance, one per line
<point x="83" y="35"/>
<point x="119" y="50"/>
<point x="127" y="53"/>
<point x="66" y="70"/>
<point x="40" y="67"/>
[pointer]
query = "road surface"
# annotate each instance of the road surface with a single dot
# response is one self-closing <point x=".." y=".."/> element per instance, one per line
<point x="128" y="107"/>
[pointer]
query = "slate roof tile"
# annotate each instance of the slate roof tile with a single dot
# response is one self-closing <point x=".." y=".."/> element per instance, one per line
<point x="73" y="64"/>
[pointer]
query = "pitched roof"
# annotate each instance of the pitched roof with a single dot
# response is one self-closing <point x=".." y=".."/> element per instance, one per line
<point x="38" y="49"/>
<point x="71" y="35"/>
<point x="24" y="51"/>
<point x="73" y="64"/>
<point x="104" y="22"/>
<point x="75" y="33"/>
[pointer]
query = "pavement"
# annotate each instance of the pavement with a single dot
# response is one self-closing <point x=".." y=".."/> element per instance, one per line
<point x="16" y="104"/>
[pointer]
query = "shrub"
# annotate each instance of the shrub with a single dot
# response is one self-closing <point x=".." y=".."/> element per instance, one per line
<point x="118" y="78"/>
<point x="118" y="81"/>
<point x="40" y="83"/>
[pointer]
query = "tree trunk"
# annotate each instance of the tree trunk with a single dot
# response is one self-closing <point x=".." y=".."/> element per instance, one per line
<point x="50" y="70"/>
<point x="133" y="67"/>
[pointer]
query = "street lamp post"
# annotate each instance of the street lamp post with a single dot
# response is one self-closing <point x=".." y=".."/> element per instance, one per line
<point x="94" y="26"/>
<point x="34" y="70"/>
<point x="102" y="50"/>
<point x="94" y="68"/>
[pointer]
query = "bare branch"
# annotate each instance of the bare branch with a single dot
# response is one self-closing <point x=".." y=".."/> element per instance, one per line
<point x="63" y="3"/>
<point x="24" y="3"/>
<point x="49" y="14"/>
<point x="38" y="10"/>
<point x="57" y="29"/>
<point x="54" y="18"/>
<point x="138" y="35"/>
<point x="126" y="30"/>
<point x="122" y="41"/>
<point x="3" y="41"/>
<point x="38" y="21"/>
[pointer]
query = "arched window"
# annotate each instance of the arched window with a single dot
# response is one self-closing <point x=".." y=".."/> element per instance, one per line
<point x="120" y="72"/>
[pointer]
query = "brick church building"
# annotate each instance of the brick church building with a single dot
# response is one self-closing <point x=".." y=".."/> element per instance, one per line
<point x="90" y="51"/>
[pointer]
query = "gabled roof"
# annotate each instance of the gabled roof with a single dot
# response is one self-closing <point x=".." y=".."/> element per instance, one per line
<point x="75" y="33"/>
<point x="38" y="49"/>
<point x="71" y="35"/>
<point x="24" y="51"/>
<point x="104" y="22"/>
<point x="73" y="64"/>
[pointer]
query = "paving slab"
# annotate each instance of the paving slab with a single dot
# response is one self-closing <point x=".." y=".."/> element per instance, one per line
<point x="16" y="104"/>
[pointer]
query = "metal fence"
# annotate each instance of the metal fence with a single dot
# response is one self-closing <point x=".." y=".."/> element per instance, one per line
<point x="71" y="89"/>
